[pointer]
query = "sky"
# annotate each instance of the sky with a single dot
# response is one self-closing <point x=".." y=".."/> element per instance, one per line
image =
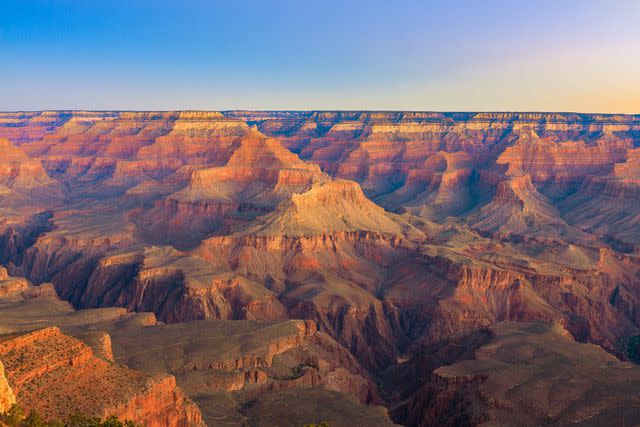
<point x="454" y="55"/>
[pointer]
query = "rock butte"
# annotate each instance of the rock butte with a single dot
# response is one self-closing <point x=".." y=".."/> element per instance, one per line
<point x="363" y="267"/>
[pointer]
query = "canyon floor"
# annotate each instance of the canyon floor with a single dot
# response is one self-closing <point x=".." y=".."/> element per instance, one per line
<point x="285" y="268"/>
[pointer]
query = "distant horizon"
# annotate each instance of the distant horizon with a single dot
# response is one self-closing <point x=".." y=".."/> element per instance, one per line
<point x="314" y="110"/>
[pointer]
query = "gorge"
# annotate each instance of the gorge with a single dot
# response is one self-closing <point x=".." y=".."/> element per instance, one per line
<point x="366" y="268"/>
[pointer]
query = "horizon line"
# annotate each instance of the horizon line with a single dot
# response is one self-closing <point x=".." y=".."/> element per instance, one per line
<point x="277" y="110"/>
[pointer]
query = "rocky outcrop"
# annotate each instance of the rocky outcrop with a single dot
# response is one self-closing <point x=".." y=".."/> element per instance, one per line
<point x="23" y="179"/>
<point x="336" y="206"/>
<point x="11" y="286"/>
<point x="19" y="233"/>
<point x="20" y="288"/>
<point x="58" y="375"/>
<point x="176" y="287"/>
<point x="258" y="175"/>
<point x="392" y="154"/>
<point x="248" y="360"/>
<point x="316" y="250"/>
<point x="457" y="294"/>
<point x="442" y="185"/>
<point x="606" y="206"/>
<point x="161" y="403"/>
<point x="7" y="398"/>
<point x="516" y="209"/>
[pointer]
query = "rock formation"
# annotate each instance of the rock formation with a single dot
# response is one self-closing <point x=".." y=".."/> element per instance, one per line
<point x="7" y="398"/>
<point x="24" y="180"/>
<point x="276" y="254"/>
<point x="58" y="375"/>
<point x="212" y="361"/>
<point x="533" y="374"/>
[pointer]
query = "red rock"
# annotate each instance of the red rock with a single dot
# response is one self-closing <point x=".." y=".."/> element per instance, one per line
<point x="383" y="229"/>
<point x="58" y="376"/>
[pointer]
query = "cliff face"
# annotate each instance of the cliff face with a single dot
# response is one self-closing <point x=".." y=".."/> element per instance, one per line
<point x="58" y="375"/>
<point x="244" y="361"/>
<point x="61" y="373"/>
<point x="404" y="160"/>
<point x="389" y="232"/>
<point x="258" y="175"/>
<point x="23" y="179"/>
<point x="161" y="403"/>
<point x="215" y="362"/>
<point x="7" y="398"/>
<point x="383" y="149"/>
<point x="318" y="251"/>
<point x="515" y="356"/>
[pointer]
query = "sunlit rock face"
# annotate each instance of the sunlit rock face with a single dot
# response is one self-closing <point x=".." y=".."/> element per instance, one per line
<point x="387" y="237"/>
<point x="58" y="375"/>
<point x="7" y="398"/>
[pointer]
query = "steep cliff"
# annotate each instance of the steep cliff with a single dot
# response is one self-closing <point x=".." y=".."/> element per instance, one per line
<point x="7" y="398"/>
<point x="259" y="174"/>
<point x="24" y="180"/>
<point x="518" y="208"/>
<point x="244" y="362"/>
<point x="532" y="374"/>
<point x="58" y="375"/>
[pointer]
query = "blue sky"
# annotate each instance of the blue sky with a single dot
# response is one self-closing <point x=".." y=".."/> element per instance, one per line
<point x="560" y="55"/>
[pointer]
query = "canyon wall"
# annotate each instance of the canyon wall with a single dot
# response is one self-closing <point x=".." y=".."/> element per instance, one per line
<point x="388" y="232"/>
<point x="58" y="376"/>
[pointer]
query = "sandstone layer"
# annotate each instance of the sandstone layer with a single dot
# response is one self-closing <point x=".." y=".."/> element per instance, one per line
<point x="58" y="375"/>
<point x="363" y="245"/>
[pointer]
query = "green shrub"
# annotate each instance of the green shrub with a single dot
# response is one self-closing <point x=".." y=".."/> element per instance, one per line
<point x="15" y="417"/>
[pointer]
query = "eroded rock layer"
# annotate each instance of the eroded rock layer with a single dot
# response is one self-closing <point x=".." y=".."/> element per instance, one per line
<point x="394" y="240"/>
<point x="58" y="375"/>
<point x="106" y="361"/>
<point x="534" y="374"/>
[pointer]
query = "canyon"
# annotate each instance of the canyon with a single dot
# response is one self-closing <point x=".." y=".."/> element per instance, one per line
<point x="294" y="267"/>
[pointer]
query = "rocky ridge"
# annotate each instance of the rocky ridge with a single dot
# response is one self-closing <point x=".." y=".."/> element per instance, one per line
<point x="390" y="231"/>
